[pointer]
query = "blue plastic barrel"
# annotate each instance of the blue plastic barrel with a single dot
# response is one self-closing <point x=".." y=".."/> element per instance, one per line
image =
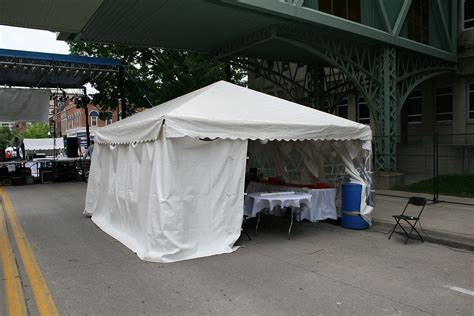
<point x="350" y="198"/>
<point x="350" y="204"/>
<point x="353" y="220"/>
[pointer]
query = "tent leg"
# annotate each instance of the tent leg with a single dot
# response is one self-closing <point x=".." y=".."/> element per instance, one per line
<point x="86" y="112"/>
<point x="258" y="222"/>
<point x="291" y="224"/>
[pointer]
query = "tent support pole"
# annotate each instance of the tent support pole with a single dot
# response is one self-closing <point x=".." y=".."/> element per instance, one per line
<point x="228" y="73"/>
<point x="86" y="112"/>
<point x="121" y="89"/>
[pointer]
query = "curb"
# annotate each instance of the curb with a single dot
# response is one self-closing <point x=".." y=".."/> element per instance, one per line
<point x="430" y="235"/>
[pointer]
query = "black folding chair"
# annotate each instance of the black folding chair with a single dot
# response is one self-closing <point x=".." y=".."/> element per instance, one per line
<point x="410" y="220"/>
<point x="242" y="229"/>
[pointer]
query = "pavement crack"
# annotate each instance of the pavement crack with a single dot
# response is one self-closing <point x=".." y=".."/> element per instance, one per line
<point x="315" y="252"/>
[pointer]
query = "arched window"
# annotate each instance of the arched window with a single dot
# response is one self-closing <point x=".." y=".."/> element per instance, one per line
<point x="94" y="117"/>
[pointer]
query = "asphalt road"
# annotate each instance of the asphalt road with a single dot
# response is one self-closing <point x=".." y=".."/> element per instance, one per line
<point x="323" y="270"/>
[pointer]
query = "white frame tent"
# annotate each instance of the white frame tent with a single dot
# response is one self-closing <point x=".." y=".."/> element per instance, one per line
<point x="169" y="182"/>
<point x="39" y="144"/>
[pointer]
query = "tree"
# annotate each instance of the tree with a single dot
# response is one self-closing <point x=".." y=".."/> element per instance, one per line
<point x="153" y="75"/>
<point x="6" y="136"/>
<point x="35" y="130"/>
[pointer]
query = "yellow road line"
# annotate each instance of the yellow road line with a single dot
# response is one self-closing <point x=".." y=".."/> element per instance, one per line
<point x="13" y="289"/>
<point x="43" y="299"/>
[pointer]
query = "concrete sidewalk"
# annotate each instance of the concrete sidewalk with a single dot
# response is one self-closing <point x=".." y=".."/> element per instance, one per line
<point x="445" y="223"/>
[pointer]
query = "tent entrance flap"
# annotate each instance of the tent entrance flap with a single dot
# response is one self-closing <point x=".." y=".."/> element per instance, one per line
<point x="308" y="162"/>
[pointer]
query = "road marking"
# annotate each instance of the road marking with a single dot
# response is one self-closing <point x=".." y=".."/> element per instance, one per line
<point x="460" y="289"/>
<point x="15" y="300"/>
<point x="43" y="299"/>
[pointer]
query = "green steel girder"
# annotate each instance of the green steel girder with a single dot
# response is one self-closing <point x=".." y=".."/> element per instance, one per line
<point x="388" y="25"/>
<point x="337" y="86"/>
<point x="401" y="72"/>
<point x="385" y="76"/>
<point x="254" y="39"/>
<point x="412" y="70"/>
<point x="297" y="11"/>
<point x="282" y="74"/>
<point x="446" y="30"/>
<point x="313" y="85"/>
<point x="358" y="62"/>
<point x="386" y="112"/>
<point x="401" y="18"/>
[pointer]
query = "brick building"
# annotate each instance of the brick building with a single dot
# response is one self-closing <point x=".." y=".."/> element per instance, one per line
<point x="70" y="121"/>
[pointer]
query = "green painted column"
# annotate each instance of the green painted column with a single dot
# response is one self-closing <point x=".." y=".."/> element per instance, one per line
<point x="387" y="105"/>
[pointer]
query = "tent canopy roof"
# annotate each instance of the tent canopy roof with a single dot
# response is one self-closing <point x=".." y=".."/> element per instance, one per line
<point x="227" y="111"/>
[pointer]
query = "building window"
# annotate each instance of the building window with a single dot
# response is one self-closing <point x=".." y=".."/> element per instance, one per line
<point x="343" y="108"/>
<point x="94" y="117"/>
<point x="418" y="21"/>
<point x="363" y="112"/>
<point x="63" y="126"/>
<point x="414" y="106"/>
<point x="108" y="118"/>
<point x="444" y="104"/>
<point x="347" y="9"/>
<point x="468" y="14"/>
<point x="471" y="101"/>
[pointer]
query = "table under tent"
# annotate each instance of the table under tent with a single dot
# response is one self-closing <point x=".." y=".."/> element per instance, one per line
<point x="169" y="182"/>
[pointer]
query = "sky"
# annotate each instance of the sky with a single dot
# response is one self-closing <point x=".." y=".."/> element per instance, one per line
<point x="31" y="40"/>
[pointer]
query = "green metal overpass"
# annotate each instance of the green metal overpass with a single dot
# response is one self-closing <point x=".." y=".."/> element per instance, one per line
<point x="383" y="48"/>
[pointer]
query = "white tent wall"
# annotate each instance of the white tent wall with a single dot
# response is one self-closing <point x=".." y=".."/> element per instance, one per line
<point x="182" y="200"/>
<point x="306" y="162"/>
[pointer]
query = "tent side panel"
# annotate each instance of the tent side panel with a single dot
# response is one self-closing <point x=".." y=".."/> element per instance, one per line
<point x="201" y="199"/>
<point x="169" y="200"/>
<point x="120" y="190"/>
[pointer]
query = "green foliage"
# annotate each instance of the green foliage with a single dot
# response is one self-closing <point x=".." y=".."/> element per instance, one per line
<point x="82" y="102"/>
<point x="36" y="130"/>
<point x="6" y="136"/>
<point x="153" y="75"/>
<point x="457" y="185"/>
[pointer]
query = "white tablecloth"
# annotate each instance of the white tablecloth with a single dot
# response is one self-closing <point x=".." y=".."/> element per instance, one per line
<point x="323" y="201"/>
<point x="255" y="202"/>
